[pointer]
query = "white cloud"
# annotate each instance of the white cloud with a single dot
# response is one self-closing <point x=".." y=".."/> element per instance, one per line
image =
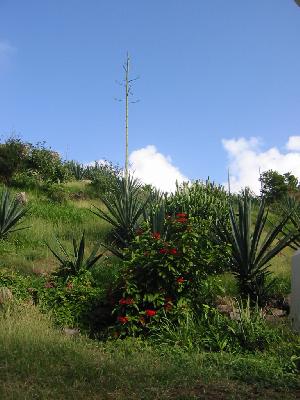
<point x="247" y="159"/>
<point x="293" y="143"/>
<point x="152" y="167"/>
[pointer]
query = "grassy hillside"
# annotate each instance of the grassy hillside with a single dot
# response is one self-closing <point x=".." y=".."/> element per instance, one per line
<point x="39" y="361"/>
<point x="26" y="250"/>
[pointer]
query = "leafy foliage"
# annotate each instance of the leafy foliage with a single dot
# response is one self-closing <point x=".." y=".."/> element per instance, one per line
<point x="274" y="186"/>
<point x="11" y="213"/>
<point x="204" y="200"/>
<point x="212" y="331"/>
<point x="71" y="303"/>
<point x="22" y="162"/>
<point x="105" y="177"/>
<point x="165" y="274"/>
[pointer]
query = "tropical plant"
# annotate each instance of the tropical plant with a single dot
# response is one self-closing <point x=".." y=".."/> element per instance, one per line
<point x="251" y="249"/>
<point x="155" y="213"/>
<point x="77" y="170"/>
<point x="11" y="213"/>
<point x="204" y="200"/>
<point x="125" y="210"/>
<point x="75" y="264"/>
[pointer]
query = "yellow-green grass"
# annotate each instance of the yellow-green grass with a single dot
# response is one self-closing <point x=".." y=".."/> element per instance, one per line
<point x="39" y="362"/>
<point x="26" y="250"/>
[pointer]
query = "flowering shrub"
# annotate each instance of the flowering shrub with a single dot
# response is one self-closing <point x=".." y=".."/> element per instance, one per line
<point x="164" y="274"/>
<point x="71" y="302"/>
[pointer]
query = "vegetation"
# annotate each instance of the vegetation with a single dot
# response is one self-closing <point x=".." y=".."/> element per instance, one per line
<point x="275" y="186"/>
<point x="250" y="253"/>
<point x="184" y="307"/>
<point x="11" y="213"/>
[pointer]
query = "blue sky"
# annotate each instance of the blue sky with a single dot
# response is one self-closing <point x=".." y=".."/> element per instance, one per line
<point x="209" y="71"/>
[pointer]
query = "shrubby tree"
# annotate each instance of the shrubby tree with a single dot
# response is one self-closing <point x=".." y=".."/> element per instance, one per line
<point x="274" y="186"/>
<point x="21" y="161"/>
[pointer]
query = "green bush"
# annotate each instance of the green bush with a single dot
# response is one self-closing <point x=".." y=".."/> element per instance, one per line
<point x="71" y="302"/>
<point x="165" y="274"/>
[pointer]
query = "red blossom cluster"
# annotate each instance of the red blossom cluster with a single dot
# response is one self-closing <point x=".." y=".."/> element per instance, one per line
<point x="156" y="235"/>
<point x="150" y="313"/>
<point x="181" y="218"/>
<point x="126" y="301"/>
<point x="122" y="320"/>
<point x="180" y="279"/>
<point x="171" y="251"/>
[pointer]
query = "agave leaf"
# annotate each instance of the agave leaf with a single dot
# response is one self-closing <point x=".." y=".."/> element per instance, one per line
<point x="80" y="254"/>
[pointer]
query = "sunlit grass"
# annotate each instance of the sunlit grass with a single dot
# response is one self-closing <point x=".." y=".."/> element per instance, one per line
<point x="38" y="361"/>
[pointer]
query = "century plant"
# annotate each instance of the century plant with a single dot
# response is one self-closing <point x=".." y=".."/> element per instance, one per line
<point x="74" y="264"/>
<point x="77" y="170"/>
<point x="11" y="213"/>
<point x="289" y="205"/>
<point x="251" y="248"/>
<point x="125" y="209"/>
<point x="155" y="213"/>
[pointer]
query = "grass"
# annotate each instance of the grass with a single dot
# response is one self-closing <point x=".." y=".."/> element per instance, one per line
<point x="26" y="251"/>
<point x="38" y="361"/>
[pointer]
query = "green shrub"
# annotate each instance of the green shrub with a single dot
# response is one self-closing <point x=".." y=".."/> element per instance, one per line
<point x="165" y="274"/>
<point x="104" y="177"/>
<point x="13" y="153"/>
<point x="71" y="302"/>
<point x="56" y="192"/>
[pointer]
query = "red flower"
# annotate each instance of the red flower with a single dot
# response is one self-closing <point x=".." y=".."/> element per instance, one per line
<point x="150" y="313"/>
<point x="180" y="280"/>
<point x="173" y="251"/>
<point x="168" y="307"/>
<point x="163" y="251"/>
<point x="156" y="235"/>
<point x="127" y="301"/>
<point x="122" y="320"/>
<point x="182" y="220"/>
<point x="181" y="215"/>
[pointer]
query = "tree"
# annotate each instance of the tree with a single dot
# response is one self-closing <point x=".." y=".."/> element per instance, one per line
<point x="274" y="186"/>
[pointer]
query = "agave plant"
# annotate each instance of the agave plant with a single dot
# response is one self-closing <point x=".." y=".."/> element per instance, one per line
<point x="78" y="170"/>
<point x="289" y="205"/>
<point x="74" y="264"/>
<point x="11" y="213"/>
<point x="252" y="250"/>
<point x="155" y="213"/>
<point x="125" y="210"/>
